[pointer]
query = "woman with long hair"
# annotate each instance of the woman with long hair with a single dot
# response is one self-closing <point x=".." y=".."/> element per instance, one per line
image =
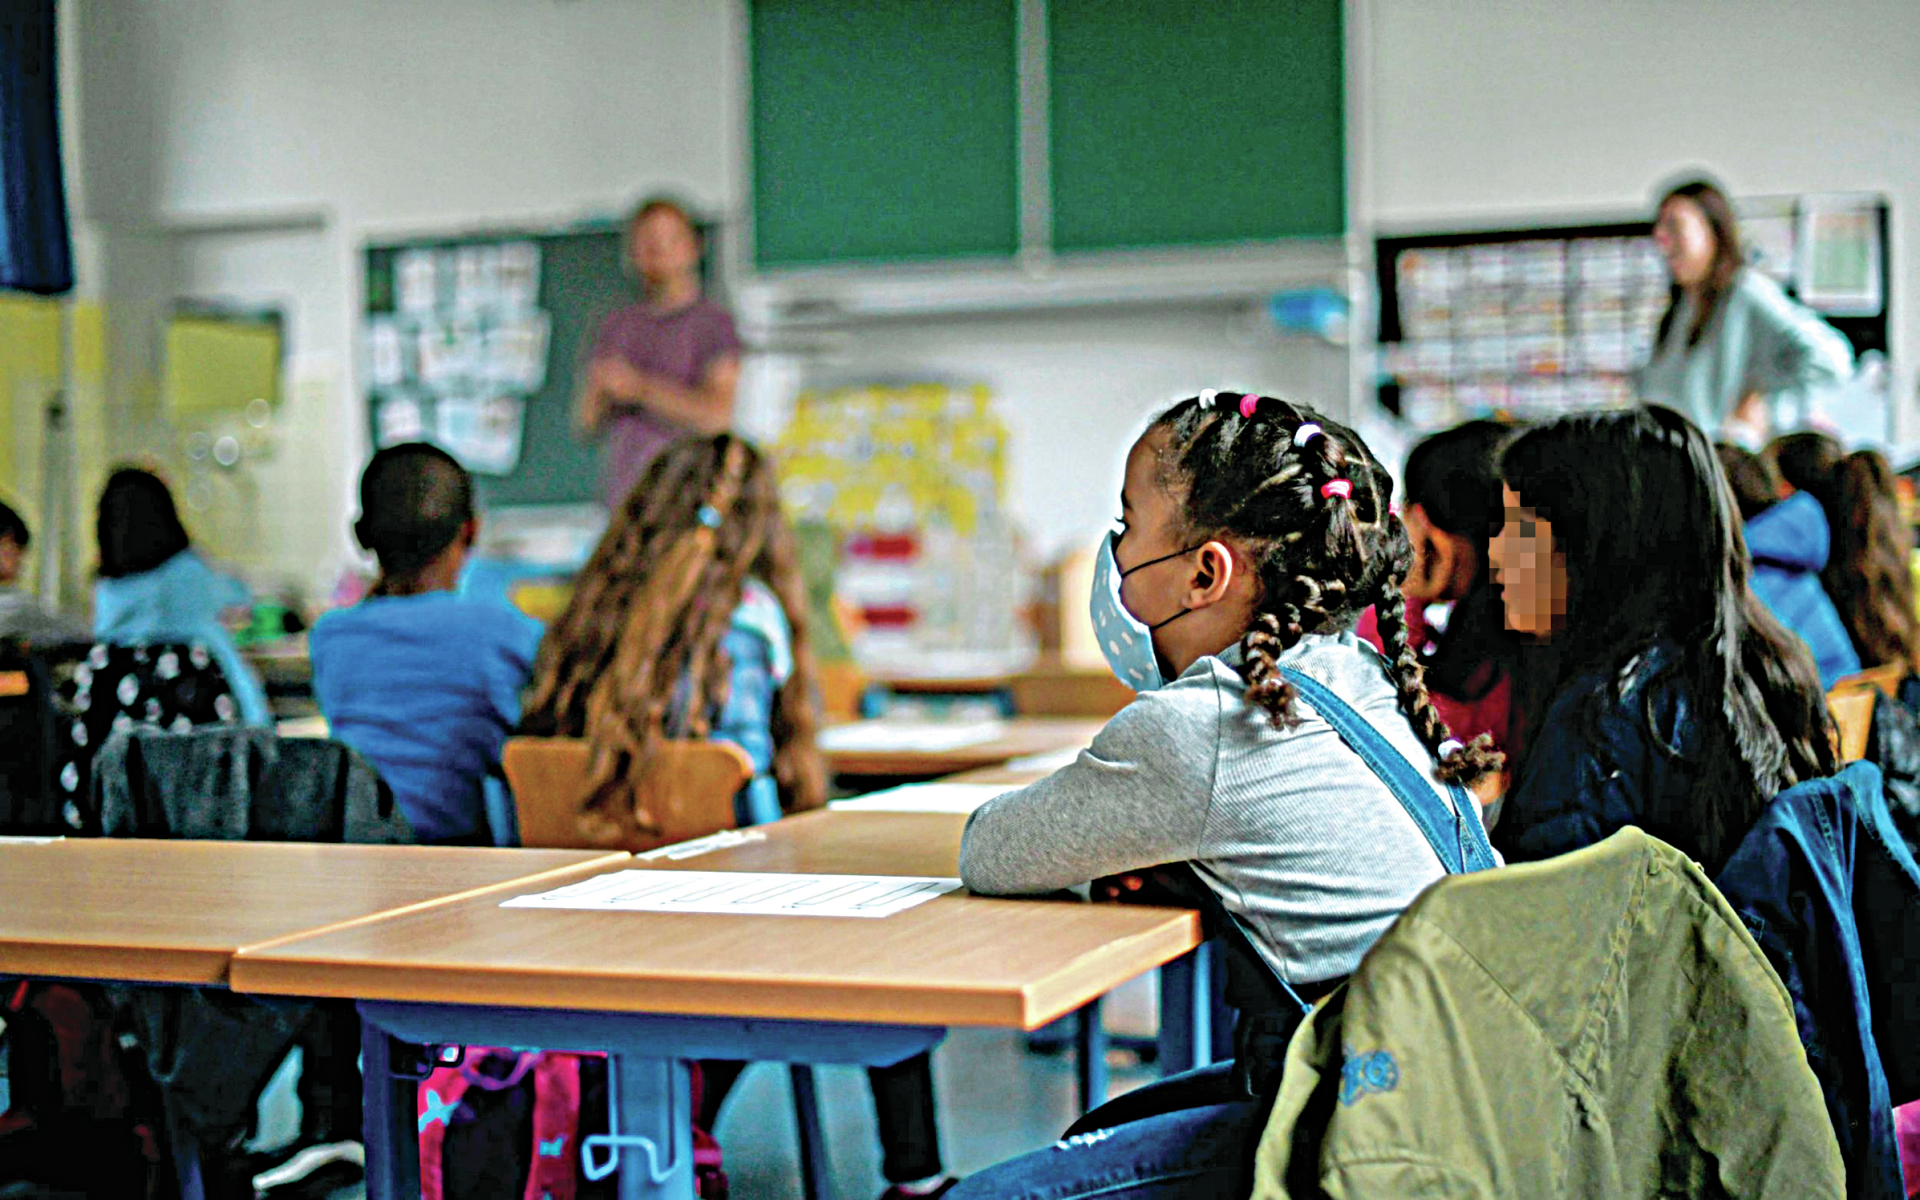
<point x="688" y="621"/>
<point x="1668" y="696"/>
<point x="1731" y="351"/>
<point x="1868" y="574"/>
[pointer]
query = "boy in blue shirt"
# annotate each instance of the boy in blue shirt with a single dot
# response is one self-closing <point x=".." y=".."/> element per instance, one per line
<point x="425" y="683"/>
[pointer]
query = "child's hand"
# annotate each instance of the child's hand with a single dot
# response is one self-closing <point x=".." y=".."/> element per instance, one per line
<point x="1117" y="888"/>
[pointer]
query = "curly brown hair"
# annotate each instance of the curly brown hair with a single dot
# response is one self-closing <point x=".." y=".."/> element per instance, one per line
<point x="1320" y="558"/>
<point x="637" y="656"/>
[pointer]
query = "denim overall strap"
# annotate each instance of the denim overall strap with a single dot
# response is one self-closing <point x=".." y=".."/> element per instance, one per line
<point x="1465" y="848"/>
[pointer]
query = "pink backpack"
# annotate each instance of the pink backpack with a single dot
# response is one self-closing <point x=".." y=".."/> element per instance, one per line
<point x="554" y="1078"/>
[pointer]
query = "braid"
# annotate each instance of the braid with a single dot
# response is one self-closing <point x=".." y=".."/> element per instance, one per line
<point x="1466" y="764"/>
<point x="1306" y="502"/>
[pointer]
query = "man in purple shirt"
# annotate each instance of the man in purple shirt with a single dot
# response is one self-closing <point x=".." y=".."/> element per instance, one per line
<point x="664" y="367"/>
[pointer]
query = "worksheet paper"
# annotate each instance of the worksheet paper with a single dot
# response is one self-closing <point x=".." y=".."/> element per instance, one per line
<point x="743" y="893"/>
<point x="960" y="798"/>
<point x="887" y="736"/>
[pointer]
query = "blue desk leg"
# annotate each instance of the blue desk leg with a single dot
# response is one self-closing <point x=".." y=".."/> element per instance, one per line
<point x="1183" y="1041"/>
<point x="650" y="1105"/>
<point x="816" y="1171"/>
<point x="391" y="1128"/>
<point x="1090" y="1036"/>
<point x="1213" y="978"/>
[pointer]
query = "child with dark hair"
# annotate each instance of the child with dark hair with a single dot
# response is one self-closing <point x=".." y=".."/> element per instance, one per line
<point x="1668" y="696"/>
<point x="1450" y="501"/>
<point x="424" y="682"/>
<point x="22" y="618"/>
<point x="1282" y="759"/>
<point x="1788" y="540"/>
<point x="1868" y="574"/>
<point x="153" y="587"/>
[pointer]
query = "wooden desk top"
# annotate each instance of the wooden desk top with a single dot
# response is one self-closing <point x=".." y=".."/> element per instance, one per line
<point x="175" y="912"/>
<point x="957" y="960"/>
<point x="1018" y="736"/>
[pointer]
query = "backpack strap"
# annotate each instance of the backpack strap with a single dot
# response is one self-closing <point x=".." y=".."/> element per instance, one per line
<point x="1463" y="848"/>
<point x="556" y="1127"/>
<point x="438" y="1097"/>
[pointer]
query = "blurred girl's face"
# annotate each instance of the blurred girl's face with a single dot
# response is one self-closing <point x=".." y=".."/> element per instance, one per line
<point x="1686" y="241"/>
<point x="1530" y="573"/>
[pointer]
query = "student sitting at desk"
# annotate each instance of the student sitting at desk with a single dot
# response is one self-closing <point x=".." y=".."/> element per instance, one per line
<point x="155" y="588"/>
<point x="21" y="616"/>
<point x="1252" y="534"/>
<point x="1672" y="699"/>
<point x="424" y="682"/>
<point x="1868" y="574"/>
<point x="689" y="621"/>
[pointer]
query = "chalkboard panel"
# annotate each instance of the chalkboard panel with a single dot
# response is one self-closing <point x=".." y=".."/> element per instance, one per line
<point x="883" y="130"/>
<point x="581" y="281"/>
<point x="1195" y="123"/>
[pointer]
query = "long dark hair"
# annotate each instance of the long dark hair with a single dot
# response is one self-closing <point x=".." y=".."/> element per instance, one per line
<point x="1453" y="477"/>
<point x="414" y="500"/>
<point x="1654" y="552"/>
<point x="1320" y="559"/>
<point x="1868" y="573"/>
<point x="637" y="655"/>
<point x="137" y="525"/>
<point x="1755" y="484"/>
<point x="1728" y="257"/>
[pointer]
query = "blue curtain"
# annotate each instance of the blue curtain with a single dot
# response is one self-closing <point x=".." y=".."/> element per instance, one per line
<point x="35" y="253"/>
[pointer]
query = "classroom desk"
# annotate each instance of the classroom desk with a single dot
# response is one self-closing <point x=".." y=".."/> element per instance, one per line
<point x="652" y="989"/>
<point x="1017" y="736"/>
<point x="131" y="910"/>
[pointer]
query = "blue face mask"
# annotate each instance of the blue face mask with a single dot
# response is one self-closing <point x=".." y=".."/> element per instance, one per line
<point x="1125" y="640"/>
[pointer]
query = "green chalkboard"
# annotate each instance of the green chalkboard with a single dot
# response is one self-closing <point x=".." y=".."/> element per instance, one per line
<point x="883" y="130"/>
<point x="1176" y="124"/>
<point x="581" y="281"/>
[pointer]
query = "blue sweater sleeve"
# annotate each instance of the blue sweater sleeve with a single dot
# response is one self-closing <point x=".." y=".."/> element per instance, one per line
<point x="746" y="720"/>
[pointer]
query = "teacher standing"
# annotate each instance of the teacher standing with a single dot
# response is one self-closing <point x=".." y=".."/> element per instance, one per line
<point x="661" y="368"/>
<point x="1732" y="352"/>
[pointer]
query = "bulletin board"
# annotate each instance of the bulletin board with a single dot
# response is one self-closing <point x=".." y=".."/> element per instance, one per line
<point x="1536" y="322"/>
<point x="474" y="343"/>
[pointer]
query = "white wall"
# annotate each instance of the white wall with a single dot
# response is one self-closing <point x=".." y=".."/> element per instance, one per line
<point x="1507" y="110"/>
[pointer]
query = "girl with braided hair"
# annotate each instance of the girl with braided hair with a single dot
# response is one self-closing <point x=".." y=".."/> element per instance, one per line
<point x="1305" y="784"/>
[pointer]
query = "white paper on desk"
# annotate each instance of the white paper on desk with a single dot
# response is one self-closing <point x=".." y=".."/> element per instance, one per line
<point x="960" y="798"/>
<point x="885" y="735"/>
<point x="743" y="893"/>
<point x="1051" y="760"/>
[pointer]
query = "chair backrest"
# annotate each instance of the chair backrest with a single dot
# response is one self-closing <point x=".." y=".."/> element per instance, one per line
<point x="1887" y="678"/>
<point x="1853" y="713"/>
<point x="1068" y="692"/>
<point x="688" y="793"/>
<point x="842" y="684"/>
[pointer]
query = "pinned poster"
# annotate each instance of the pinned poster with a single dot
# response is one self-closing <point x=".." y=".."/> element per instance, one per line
<point x="516" y="352"/>
<point x="416" y="281"/>
<point x="398" y="419"/>
<point x="518" y="283"/>
<point x="468" y="295"/>
<point x="386" y="357"/>
<point x="483" y="433"/>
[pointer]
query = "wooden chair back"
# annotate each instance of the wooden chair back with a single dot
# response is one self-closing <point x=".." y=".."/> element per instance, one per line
<point x="688" y="793"/>
<point x="1886" y="678"/>
<point x="1853" y="713"/>
<point x="841" y="686"/>
<point x="1056" y="690"/>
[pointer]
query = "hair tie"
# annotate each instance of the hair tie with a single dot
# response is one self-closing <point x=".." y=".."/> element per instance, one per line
<point x="1249" y="404"/>
<point x="1342" y="488"/>
<point x="1306" y="433"/>
<point x="1449" y="748"/>
<point x="1208" y="397"/>
<point x="709" y="516"/>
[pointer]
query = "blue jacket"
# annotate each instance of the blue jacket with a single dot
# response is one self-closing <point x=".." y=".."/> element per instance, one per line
<point x="180" y="601"/>
<point x="1789" y="543"/>
<point x="1832" y="895"/>
<point x="759" y="647"/>
<point x="1609" y="752"/>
